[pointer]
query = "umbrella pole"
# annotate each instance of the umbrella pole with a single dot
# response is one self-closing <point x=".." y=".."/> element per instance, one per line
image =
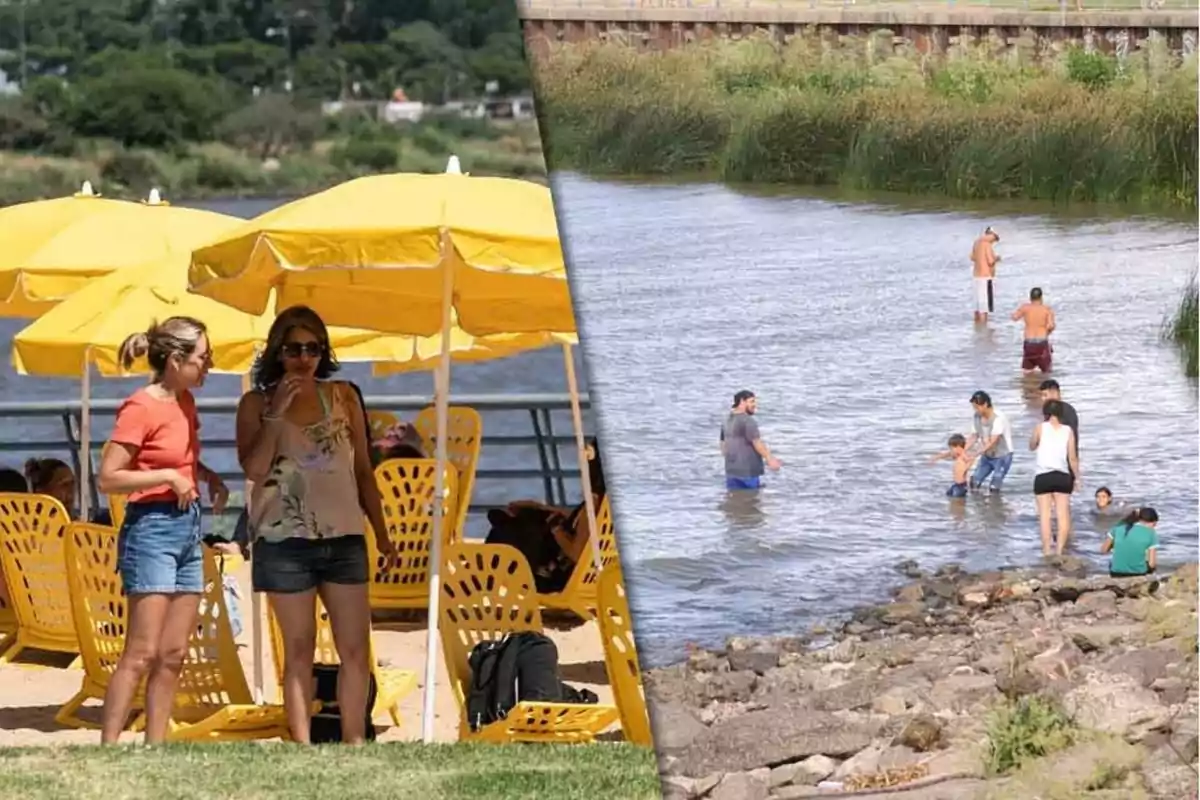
<point x="585" y="478"/>
<point x="85" y="439"/>
<point x="441" y="404"/>
<point x="256" y="598"/>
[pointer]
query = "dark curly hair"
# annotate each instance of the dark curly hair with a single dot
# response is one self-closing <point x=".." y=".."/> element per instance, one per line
<point x="268" y="368"/>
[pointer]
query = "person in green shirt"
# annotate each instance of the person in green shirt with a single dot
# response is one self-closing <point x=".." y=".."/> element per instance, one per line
<point x="1133" y="544"/>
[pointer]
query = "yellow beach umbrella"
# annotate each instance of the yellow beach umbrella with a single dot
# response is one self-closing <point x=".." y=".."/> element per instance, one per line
<point x="465" y="348"/>
<point x="49" y="249"/>
<point x="403" y="254"/>
<point x="380" y="251"/>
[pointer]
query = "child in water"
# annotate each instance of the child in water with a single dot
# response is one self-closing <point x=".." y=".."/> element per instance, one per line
<point x="962" y="464"/>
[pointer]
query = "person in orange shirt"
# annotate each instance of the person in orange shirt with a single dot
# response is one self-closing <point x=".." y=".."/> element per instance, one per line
<point x="153" y="456"/>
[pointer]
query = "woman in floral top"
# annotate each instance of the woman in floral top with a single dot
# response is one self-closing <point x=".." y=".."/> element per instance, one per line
<point x="302" y="441"/>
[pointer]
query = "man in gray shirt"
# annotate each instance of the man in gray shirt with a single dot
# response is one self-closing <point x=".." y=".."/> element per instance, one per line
<point x="742" y="445"/>
<point x="992" y="433"/>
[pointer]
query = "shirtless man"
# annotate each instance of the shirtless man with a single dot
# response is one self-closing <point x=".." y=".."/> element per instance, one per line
<point x="1039" y="324"/>
<point x="984" y="261"/>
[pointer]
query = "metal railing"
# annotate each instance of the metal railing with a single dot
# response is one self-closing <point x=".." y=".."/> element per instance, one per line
<point x="515" y="456"/>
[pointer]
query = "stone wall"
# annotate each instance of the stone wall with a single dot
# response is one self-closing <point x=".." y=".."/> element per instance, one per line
<point x="930" y="31"/>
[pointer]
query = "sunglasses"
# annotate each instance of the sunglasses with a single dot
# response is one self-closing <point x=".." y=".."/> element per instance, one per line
<point x="310" y="349"/>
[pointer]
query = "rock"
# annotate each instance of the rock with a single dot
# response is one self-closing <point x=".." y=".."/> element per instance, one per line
<point x="674" y="726"/>
<point x="704" y="661"/>
<point x="948" y="570"/>
<point x="677" y="787"/>
<point x="730" y="686"/>
<point x="956" y="760"/>
<point x="1171" y="691"/>
<point x="1065" y="591"/>
<point x="890" y="702"/>
<point x="757" y="660"/>
<point x="1166" y="776"/>
<point x="1115" y="704"/>
<point x="1145" y="666"/>
<point x="895" y="613"/>
<point x="974" y="599"/>
<point x="863" y="762"/>
<point x="795" y="792"/>
<point x="851" y="695"/>
<point x="814" y="769"/>
<point x="778" y="735"/>
<point x="897" y="757"/>
<point x="912" y="593"/>
<point x="922" y="733"/>
<point x="1058" y="662"/>
<point x="1092" y="638"/>
<point x="1099" y="604"/>
<point x="752" y="785"/>
<point x="960" y="693"/>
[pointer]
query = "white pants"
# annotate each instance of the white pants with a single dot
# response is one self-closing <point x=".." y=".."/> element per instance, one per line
<point x="985" y="301"/>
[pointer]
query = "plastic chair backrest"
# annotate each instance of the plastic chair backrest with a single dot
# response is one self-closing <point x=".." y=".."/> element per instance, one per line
<point x="407" y="486"/>
<point x="487" y="592"/>
<point x="116" y="509"/>
<point x="584" y="577"/>
<point x="98" y="602"/>
<point x="620" y="656"/>
<point x="212" y="672"/>
<point x="32" y="555"/>
<point x="464" y="427"/>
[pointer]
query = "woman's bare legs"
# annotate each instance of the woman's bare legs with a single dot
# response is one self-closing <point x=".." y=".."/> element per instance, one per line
<point x="350" y="617"/>
<point x="1045" y="507"/>
<point x="147" y="614"/>
<point x="296" y="614"/>
<point x="178" y="624"/>
<point x="1062" y="511"/>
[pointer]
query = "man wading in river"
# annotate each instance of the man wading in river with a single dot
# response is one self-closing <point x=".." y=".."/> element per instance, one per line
<point x="742" y="445"/>
<point x="1039" y="324"/>
<point x="984" y="261"/>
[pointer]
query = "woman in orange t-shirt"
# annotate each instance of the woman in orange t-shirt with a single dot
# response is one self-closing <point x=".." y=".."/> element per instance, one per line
<point x="153" y="456"/>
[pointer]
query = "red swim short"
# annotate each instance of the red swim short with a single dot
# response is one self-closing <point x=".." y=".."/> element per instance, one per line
<point x="1036" y="355"/>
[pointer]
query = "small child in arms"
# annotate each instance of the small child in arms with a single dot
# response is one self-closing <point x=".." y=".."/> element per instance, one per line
<point x="962" y="464"/>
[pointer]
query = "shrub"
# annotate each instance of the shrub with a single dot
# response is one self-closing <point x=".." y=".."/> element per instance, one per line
<point x="378" y="156"/>
<point x="159" y="108"/>
<point x="1025" y="729"/>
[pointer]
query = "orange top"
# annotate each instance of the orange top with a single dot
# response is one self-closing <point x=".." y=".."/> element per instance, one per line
<point x="166" y="436"/>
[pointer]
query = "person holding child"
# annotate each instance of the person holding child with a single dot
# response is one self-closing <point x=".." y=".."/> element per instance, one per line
<point x="153" y="456"/>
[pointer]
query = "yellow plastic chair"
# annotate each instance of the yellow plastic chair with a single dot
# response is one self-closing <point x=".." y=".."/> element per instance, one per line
<point x="579" y="595"/>
<point x="213" y="701"/>
<point x="32" y="528"/>
<point x="621" y="658"/>
<point x="8" y="617"/>
<point x="393" y="684"/>
<point x="464" y="427"/>
<point x="487" y="593"/>
<point x="116" y="509"/>
<point x="99" y="611"/>
<point x="407" y="486"/>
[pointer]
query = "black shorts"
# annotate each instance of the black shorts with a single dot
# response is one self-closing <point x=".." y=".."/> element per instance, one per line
<point x="298" y="565"/>
<point x="1054" y="483"/>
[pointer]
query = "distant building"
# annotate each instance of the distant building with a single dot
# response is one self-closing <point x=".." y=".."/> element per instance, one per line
<point x="519" y="107"/>
<point x="8" y="88"/>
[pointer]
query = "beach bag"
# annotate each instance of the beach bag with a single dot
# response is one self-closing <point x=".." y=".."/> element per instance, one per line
<point x="521" y="666"/>
<point x="326" y="724"/>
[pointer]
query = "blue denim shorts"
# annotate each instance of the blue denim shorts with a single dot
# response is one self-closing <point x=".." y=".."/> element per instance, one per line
<point x="158" y="549"/>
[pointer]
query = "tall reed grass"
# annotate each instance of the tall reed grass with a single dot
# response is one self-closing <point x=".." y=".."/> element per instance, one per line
<point x="1183" y="330"/>
<point x="1077" y="128"/>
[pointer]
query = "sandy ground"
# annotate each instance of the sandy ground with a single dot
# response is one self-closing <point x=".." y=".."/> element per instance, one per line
<point x="32" y="690"/>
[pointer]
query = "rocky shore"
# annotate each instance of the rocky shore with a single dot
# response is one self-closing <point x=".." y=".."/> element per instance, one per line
<point x="930" y="696"/>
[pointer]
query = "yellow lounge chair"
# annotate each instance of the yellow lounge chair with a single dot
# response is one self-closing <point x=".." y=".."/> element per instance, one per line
<point x="579" y="595"/>
<point x="621" y="658"/>
<point x="464" y="427"/>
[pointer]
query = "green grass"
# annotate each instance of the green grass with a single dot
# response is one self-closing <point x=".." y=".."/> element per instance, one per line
<point x="283" y="772"/>
<point x="1023" y="730"/>
<point x="1079" y="128"/>
<point x="1181" y="329"/>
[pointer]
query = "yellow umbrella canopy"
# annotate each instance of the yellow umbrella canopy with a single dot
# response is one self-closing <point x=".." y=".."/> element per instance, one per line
<point x="373" y="253"/>
<point x="89" y="327"/>
<point x="467" y="348"/>
<point x="49" y="249"/>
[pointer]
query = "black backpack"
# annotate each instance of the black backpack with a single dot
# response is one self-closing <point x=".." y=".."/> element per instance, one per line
<point x="326" y="724"/>
<point x="521" y="666"/>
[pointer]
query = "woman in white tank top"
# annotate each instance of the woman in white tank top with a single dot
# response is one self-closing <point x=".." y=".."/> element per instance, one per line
<point x="1057" y="475"/>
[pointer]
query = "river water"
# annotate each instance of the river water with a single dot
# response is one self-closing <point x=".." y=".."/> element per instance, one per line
<point x="852" y="322"/>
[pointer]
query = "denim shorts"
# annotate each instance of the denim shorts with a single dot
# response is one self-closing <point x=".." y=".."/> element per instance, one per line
<point x="298" y="565"/>
<point x="158" y="549"/>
